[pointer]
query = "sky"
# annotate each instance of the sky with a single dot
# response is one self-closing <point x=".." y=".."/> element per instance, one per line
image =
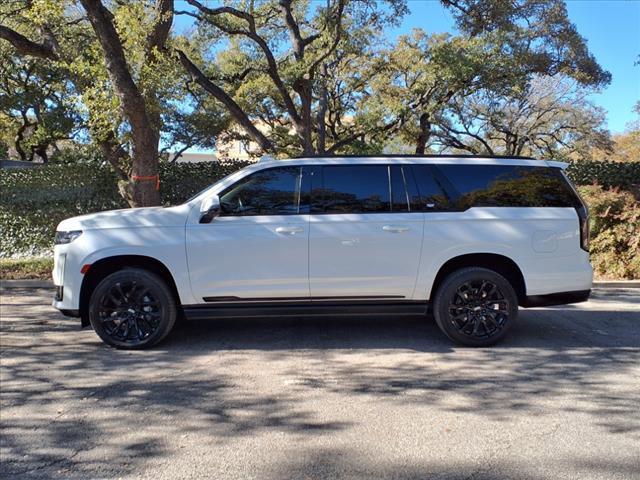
<point x="611" y="28"/>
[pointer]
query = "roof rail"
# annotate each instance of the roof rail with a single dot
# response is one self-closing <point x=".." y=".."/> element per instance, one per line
<point x="413" y="155"/>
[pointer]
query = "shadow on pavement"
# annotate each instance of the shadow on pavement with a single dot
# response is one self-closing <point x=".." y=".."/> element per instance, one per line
<point x="568" y="357"/>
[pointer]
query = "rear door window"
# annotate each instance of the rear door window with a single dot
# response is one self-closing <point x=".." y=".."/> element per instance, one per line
<point x="352" y="189"/>
<point x="505" y="186"/>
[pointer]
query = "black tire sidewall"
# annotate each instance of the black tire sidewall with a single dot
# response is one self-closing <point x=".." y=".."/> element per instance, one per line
<point x="159" y="289"/>
<point x="448" y="288"/>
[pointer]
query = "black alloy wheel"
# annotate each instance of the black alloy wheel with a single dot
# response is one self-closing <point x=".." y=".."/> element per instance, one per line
<point x="475" y="306"/>
<point x="132" y="309"/>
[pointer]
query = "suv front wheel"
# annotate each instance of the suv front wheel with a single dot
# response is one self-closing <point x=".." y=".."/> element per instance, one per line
<point x="132" y="309"/>
<point x="475" y="306"/>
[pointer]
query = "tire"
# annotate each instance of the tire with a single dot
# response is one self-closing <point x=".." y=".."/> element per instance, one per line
<point x="132" y="309"/>
<point x="475" y="307"/>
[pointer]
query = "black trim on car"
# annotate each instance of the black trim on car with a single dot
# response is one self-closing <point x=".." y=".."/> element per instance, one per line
<point x="226" y="299"/>
<point x="561" y="298"/>
<point x="306" y="307"/>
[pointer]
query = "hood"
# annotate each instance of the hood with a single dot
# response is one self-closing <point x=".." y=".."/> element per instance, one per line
<point x="127" y="218"/>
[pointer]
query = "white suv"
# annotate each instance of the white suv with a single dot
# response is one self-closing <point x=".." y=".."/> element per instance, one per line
<point x="469" y="239"/>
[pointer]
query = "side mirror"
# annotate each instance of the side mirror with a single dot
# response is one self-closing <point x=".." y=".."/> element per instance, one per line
<point x="209" y="209"/>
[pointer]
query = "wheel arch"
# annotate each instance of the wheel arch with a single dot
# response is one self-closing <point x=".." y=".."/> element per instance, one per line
<point x="108" y="265"/>
<point x="492" y="261"/>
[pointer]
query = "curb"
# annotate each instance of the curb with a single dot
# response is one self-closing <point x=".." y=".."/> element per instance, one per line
<point x="617" y="284"/>
<point x="49" y="284"/>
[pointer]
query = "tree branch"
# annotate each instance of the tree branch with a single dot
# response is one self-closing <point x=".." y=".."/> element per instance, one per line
<point x="234" y="109"/>
<point x="24" y="46"/>
<point x="162" y="26"/>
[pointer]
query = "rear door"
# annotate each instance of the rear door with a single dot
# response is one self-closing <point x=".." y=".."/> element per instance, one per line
<point x="364" y="239"/>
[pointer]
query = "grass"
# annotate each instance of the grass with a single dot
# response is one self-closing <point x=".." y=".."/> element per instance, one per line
<point x="26" y="268"/>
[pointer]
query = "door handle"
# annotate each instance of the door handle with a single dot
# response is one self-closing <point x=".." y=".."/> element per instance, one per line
<point x="395" y="229"/>
<point x="289" y="230"/>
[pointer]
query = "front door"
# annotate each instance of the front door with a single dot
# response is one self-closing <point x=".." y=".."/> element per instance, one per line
<point x="364" y="240"/>
<point x="257" y="249"/>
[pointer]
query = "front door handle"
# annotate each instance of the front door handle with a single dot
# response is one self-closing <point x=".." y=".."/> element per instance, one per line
<point x="395" y="229"/>
<point x="289" y="230"/>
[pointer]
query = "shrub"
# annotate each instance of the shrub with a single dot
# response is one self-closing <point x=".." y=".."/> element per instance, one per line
<point x="615" y="232"/>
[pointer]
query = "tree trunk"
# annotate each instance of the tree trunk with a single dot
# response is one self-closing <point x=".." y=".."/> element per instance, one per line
<point x="322" y="110"/>
<point x="305" y="126"/>
<point x="17" y="143"/>
<point x="424" y="134"/>
<point x="142" y="188"/>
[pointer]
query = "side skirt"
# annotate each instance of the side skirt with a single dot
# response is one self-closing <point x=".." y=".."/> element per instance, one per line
<point x="304" y="308"/>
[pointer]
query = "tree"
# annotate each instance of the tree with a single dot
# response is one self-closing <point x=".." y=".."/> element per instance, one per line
<point x="552" y="117"/>
<point x="129" y="44"/>
<point x="193" y="121"/>
<point x="501" y="47"/>
<point x="285" y="49"/>
<point x="36" y="106"/>
<point x="626" y="145"/>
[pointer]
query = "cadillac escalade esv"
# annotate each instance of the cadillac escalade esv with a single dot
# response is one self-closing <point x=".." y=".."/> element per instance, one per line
<point x="468" y="240"/>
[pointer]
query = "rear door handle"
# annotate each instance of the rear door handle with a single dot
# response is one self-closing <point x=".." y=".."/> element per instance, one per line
<point x="395" y="228"/>
<point x="289" y="230"/>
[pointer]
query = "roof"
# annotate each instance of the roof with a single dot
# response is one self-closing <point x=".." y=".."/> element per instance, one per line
<point x="410" y="155"/>
<point x="437" y="159"/>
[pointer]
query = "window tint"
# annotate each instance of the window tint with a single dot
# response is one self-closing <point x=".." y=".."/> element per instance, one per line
<point x="430" y="195"/>
<point x="399" y="198"/>
<point x="352" y="189"/>
<point x="269" y="192"/>
<point x="507" y="186"/>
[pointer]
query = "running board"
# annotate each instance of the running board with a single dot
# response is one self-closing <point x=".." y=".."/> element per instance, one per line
<point x="281" y="309"/>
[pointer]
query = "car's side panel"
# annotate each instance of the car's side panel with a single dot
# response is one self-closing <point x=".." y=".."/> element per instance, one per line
<point x="543" y="242"/>
<point x="364" y="255"/>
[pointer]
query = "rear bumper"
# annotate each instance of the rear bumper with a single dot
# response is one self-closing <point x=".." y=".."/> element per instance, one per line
<point x="561" y="298"/>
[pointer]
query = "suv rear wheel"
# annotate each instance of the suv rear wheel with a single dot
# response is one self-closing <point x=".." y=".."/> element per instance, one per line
<point x="132" y="309"/>
<point x="475" y="306"/>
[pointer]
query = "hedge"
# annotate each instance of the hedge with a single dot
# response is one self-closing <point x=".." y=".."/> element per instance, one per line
<point x="35" y="200"/>
<point x="605" y="174"/>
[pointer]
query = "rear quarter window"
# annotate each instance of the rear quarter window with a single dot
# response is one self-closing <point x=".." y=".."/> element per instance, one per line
<point x="506" y="186"/>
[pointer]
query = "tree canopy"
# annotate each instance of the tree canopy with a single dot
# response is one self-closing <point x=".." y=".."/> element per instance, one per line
<point x="292" y="77"/>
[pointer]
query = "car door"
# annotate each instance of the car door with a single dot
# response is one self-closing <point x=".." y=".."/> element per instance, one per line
<point x="364" y="240"/>
<point x="257" y="248"/>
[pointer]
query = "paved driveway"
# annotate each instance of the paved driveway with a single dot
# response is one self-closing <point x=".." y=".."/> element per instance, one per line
<point x="324" y="398"/>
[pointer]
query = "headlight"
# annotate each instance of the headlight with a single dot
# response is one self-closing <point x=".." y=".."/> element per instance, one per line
<point x="67" y="237"/>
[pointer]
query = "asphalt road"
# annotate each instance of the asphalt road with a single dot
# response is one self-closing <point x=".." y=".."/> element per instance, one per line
<point x="359" y="398"/>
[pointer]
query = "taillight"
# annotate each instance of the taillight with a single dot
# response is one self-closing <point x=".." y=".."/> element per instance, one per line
<point x="583" y="216"/>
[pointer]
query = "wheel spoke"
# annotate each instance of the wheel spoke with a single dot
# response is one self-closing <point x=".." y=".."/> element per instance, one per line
<point x="476" y="304"/>
<point x="130" y="312"/>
